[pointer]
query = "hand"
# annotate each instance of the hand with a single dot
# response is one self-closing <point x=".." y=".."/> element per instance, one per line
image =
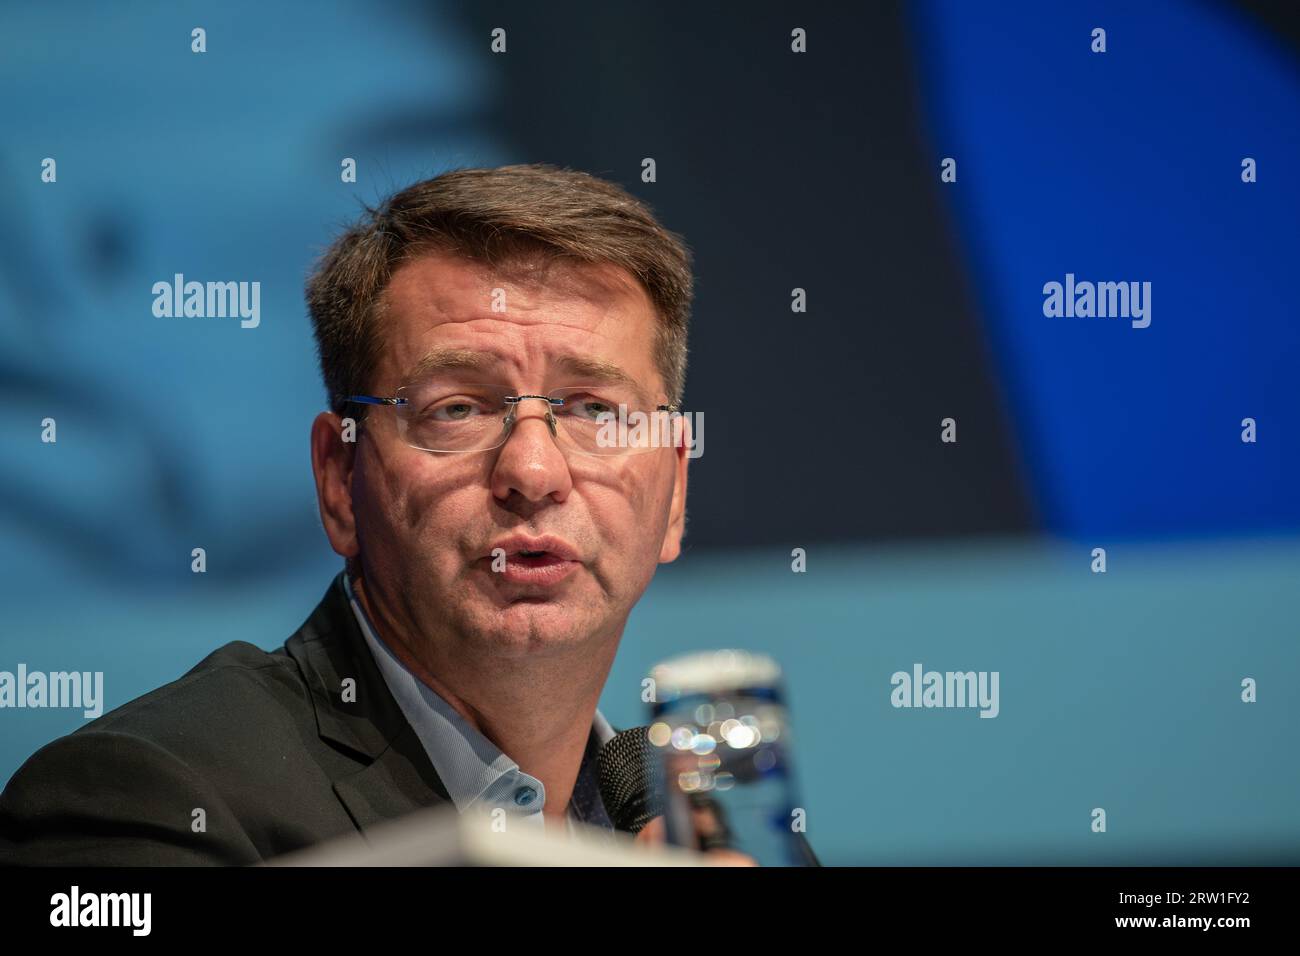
<point x="656" y="831"/>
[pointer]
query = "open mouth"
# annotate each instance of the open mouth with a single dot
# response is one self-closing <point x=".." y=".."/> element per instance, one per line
<point x="534" y="559"/>
<point x="536" y="569"/>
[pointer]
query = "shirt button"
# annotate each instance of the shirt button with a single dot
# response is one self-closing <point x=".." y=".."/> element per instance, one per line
<point x="525" y="795"/>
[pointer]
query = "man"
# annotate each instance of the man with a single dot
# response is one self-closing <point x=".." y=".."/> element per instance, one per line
<point x="475" y="333"/>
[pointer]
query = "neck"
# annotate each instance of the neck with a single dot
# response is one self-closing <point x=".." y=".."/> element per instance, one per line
<point x="538" y="710"/>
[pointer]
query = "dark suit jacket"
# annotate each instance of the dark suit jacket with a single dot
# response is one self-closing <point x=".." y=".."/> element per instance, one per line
<point x="262" y="742"/>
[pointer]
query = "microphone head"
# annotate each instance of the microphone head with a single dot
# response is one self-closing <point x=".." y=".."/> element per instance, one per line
<point x="632" y="789"/>
<point x="630" y="779"/>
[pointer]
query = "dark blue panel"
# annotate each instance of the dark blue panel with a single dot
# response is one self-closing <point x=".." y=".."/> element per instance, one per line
<point x="1127" y="166"/>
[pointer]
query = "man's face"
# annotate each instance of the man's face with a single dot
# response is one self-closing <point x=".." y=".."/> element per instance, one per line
<point x="426" y="524"/>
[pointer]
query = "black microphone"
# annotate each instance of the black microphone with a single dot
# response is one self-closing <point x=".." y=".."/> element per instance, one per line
<point x="631" y="787"/>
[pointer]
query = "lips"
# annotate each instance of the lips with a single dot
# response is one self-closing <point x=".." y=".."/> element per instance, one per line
<point x="539" y="562"/>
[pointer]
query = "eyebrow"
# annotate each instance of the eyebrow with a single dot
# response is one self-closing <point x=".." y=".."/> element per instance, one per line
<point x="451" y="360"/>
<point x="598" y="371"/>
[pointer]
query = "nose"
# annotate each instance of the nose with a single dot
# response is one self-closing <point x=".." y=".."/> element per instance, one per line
<point x="530" y="467"/>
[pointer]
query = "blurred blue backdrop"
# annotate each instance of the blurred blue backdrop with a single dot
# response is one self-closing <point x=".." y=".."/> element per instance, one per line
<point x="925" y="301"/>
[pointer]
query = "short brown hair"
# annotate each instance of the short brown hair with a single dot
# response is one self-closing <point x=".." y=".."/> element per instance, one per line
<point x="494" y="216"/>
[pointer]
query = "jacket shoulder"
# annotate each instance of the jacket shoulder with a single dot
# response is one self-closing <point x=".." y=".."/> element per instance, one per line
<point x="106" y="798"/>
<point x="222" y="765"/>
<point x="223" y="691"/>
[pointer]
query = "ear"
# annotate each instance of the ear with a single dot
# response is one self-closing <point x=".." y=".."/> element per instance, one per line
<point x="672" y="543"/>
<point x="331" y="463"/>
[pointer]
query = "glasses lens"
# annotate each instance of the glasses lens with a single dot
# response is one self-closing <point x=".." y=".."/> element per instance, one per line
<point x="612" y="420"/>
<point x="445" y="415"/>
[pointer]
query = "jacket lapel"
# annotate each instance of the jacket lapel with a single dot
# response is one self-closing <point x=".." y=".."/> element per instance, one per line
<point x="396" y="776"/>
<point x="399" y="781"/>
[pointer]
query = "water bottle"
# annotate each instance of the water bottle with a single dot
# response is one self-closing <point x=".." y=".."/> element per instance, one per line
<point x="720" y="727"/>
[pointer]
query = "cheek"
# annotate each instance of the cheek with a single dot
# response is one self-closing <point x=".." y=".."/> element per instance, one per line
<point x="416" y="510"/>
<point x="631" y="505"/>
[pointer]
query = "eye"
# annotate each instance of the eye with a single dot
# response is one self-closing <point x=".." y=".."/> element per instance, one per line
<point x="455" y="410"/>
<point x="589" y="407"/>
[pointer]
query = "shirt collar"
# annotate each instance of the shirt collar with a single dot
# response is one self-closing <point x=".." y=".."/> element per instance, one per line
<point x="467" y="762"/>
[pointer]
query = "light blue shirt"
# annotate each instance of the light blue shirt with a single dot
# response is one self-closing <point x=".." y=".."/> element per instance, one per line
<point x="470" y="766"/>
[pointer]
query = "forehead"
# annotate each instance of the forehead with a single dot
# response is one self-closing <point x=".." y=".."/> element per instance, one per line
<point x="527" y="319"/>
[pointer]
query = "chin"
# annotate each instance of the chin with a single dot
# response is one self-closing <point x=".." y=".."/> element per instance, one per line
<point x="531" y="624"/>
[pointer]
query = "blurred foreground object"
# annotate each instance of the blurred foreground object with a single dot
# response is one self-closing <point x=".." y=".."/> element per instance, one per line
<point x="440" y="836"/>
<point x="721" y="729"/>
